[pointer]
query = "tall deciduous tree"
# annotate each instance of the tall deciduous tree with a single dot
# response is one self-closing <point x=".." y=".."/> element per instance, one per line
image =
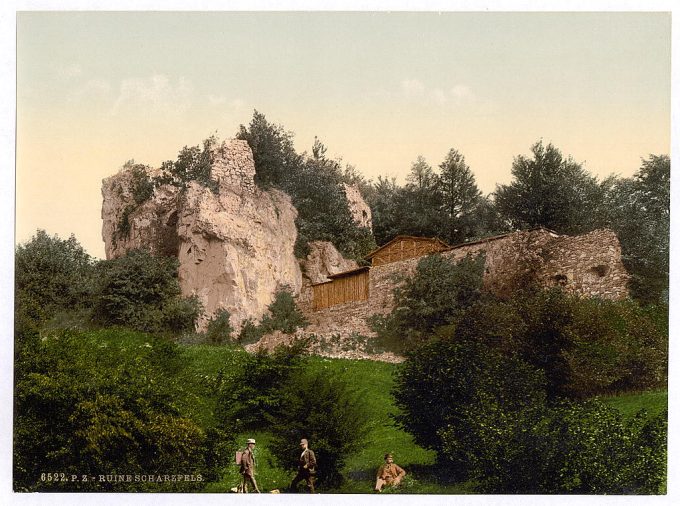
<point x="638" y="209"/>
<point x="460" y="196"/>
<point x="273" y="150"/>
<point x="550" y="191"/>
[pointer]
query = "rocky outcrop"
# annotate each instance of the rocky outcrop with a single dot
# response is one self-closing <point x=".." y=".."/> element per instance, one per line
<point x="360" y="210"/>
<point x="323" y="260"/>
<point x="235" y="245"/>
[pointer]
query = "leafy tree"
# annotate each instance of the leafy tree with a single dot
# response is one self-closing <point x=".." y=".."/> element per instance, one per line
<point x="420" y="201"/>
<point x="51" y="275"/>
<point x="436" y="295"/>
<point x="142" y="292"/>
<point x="638" y="209"/>
<point x="109" y="402"/>
<point x="385" y="209"/>
<point x="460" y="198"/>
<point x="550" y="191"/>
<point x="192" y="164"/>
<point x="326" y="410"/>
<point x="273" y="151"/>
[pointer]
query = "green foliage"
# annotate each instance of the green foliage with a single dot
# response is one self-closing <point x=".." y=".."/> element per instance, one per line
<point x="638" y="210"/>
<point x="252" y="397"/>
<point x="52" y="276"/>
<point x="314" y="184"/>
<point x="272" y="148"/>
<point x="436" y="295"/>
<point x="219" y="328"/>
<point x="142" y="292"/>
<point x="584" y="346"/>
<point x="460" y="198"/>
<point x="489" y="419"/>
<point x="108" y="402"/>
<point x="442" y="384"/>
<point x="447" y="204"/>
<point x="327" y="411"/>
<point x="283" y="314"/>
<point x="142" y="186"/>
<point x="571" y="448"/>
<point x="192" y="164"/>
<point x="549" y="191"/>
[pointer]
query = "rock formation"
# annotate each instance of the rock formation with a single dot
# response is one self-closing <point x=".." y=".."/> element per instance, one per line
<point x="360" y="210"/>
<point x="235" y="246"/>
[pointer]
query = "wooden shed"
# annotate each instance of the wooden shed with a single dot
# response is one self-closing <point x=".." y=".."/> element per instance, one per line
<point x="343" y="287"/>
<point x="403" y="247"/>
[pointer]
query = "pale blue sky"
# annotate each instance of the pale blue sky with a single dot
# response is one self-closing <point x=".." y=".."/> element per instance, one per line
<point x="97" y="89"/>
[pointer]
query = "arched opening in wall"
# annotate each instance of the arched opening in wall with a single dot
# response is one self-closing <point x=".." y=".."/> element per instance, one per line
<point x="599" y="271"/>
<point x="559" y="280"/>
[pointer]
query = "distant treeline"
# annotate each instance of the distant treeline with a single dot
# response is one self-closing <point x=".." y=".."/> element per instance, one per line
<point x="547" y="189"/>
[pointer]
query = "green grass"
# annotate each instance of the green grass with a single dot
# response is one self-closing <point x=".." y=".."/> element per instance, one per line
<point x="654" y="402"/>
<point x="374" y="381"/>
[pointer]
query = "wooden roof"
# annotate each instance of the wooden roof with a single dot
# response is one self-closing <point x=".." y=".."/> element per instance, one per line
<point x="343" y="274"/>
<point x="407" y="237"/>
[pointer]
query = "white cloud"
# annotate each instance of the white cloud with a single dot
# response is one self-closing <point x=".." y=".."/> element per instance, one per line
<point x="70" y="71"/>
<point x="156" y="94"/>
<point x="456" y="95"/>
<point x="412" y="87"/>
<point x="217" y="100"/>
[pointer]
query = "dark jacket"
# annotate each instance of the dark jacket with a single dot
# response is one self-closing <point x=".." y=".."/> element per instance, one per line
<point x="307" y="461"/>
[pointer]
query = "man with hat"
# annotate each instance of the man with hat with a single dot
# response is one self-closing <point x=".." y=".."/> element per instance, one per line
<point x="389" y="474"/>
<point x="306" y="468"/>
<point x="248" y="467"/>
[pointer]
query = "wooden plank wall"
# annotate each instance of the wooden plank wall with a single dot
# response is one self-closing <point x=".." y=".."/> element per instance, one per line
<point x="341" y="290"/>
<point x="403" y="250"/>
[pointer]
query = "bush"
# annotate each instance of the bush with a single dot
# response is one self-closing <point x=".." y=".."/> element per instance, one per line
<point x="52" y="275"/>
<point x="284" y="314"/>
<point x="436" y="295"/>
<point x="219" y="327"/>
<point x="583" y="448"/>
<point x="252" y="396"/>
<point x="489" y="420"/>
<point x="108" y="402"/>
<point x="142" y="292"/>
<point x="442" y="385"/>
<point x="585" y="346"/>
<point x="325" y="410"/>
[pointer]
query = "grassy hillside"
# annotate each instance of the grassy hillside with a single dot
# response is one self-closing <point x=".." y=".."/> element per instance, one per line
<point x="375" y="380"/>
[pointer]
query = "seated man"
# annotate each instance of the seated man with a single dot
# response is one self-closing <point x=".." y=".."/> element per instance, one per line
<point x="389" y="474"/>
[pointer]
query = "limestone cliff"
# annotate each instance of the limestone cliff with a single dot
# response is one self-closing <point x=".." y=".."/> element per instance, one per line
<point x="235" y="245"/>
<point x="361" y="212"/>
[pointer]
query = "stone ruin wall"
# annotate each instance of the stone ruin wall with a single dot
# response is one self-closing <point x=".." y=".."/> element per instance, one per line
<point x="538" y="253"/>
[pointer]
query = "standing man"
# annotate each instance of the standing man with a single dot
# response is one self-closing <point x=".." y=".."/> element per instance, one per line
<point x="389" y="474"/>
<point x="248" y="467"/>
<point x="306" y="468"/>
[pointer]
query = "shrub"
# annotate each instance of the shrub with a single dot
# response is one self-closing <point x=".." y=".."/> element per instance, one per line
<point x="284" y="314"/>
<point x="325" y="410"/>
<point x="51" y="275"/>
<point x="192" y="164"/>
<point x="585" y="346"/>
<point x="219" y="327"/>
<point x="436" y="295"/>
<point x="142" y="292"/>
<point x="252" y="396"/>
<point x="444" y="382"/>
<point x="108" y="402"/>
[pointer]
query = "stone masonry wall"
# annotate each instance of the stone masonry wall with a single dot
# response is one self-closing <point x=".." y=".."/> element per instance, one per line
<point x="588" y="265"/>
